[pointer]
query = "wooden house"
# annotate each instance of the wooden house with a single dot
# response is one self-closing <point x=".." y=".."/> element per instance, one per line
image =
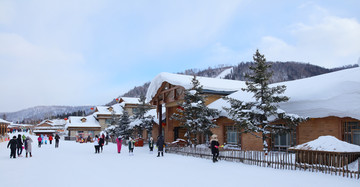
<point x="82" y="127"/>
<point x="3" y="129"/>
<point x="49" y="127"/>
<point x="167" y="90"/>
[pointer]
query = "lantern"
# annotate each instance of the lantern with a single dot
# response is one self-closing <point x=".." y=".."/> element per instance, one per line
<point x="91" y="108"/>
<point x="65" y="119"/>
<point x="163" y="124"/>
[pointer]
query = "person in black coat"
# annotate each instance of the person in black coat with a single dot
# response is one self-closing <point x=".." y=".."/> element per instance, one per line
<point x="160" y="145"/>
<point x="214" y="146"/>
<point x="13" y="143"/>
<point x="20" y="144"/>
<point x="57" y="138"/>
<point x="101" y="143"/>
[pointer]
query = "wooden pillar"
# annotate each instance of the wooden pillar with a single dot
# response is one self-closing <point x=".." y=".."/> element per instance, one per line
<point x="160" y="118"/>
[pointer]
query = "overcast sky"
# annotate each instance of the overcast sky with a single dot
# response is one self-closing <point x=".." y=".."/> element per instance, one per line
<point x="88" y="52"/>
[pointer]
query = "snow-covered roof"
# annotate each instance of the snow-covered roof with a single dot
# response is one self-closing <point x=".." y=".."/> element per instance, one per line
<point x="129" y="100"/>
<point x="105" y="110"/>
<point x="331" y="94"/>
<point x="4" y="121"/>
<point x="76" y="121"/>
<point x="53" y="122"/>
<point x="212" y="84"/>
<point x="328" y="144"/>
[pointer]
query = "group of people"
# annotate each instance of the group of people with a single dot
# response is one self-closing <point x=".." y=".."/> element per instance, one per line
<point x="18" y="144"/>
<point x="99" y="143"/>
<point x="43" y="139"/>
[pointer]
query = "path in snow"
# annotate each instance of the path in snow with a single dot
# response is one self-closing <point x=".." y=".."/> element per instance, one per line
<point x="74" y="164"/>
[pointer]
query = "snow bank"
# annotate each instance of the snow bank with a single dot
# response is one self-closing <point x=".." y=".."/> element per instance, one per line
<point x="185" y="81"/>
<point x="328" y="144"/>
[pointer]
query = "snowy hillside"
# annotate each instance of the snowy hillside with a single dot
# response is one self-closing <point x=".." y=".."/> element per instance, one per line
<point x="42" y="112"/>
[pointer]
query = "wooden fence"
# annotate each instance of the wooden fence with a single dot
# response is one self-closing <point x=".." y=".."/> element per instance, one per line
<point x="277" y="160"/>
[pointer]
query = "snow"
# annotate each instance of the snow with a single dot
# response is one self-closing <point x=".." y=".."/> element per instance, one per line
<point x="74" y="164"/>
<point x="75" y="121"/>
<point x="328" y="144"/>
<point x="331" y="94"/>
<point x="129" y="100"/>
<point x="4" y="121"/>
<point x="104" y="110"/>
<point x="185" y="81"/>
<point x="224" y="73"/>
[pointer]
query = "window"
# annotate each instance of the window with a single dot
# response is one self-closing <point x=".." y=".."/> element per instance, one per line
<point x="282" y="141"/>
<point x="135" y="110"/>
<point x="352" y="132"/>
<point x="108" y="121"/>
<point x="232" y="135"/>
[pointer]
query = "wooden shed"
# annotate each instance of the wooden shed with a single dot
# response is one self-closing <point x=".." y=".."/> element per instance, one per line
<point x="326" y="150"/>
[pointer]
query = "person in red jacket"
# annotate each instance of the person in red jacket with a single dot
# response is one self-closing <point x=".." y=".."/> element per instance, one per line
<point x="50" y="139"/>
<point x="39" y="140"/>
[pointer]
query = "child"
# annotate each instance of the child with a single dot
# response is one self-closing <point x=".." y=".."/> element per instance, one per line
<point x="131" y="146"/>
<point x="151" y="144"/>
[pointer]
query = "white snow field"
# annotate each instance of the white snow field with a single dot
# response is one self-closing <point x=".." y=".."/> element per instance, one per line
<point x="75" y="164"/>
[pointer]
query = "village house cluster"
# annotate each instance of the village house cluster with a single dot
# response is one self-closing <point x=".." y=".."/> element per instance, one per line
<point x="331" y="102"/>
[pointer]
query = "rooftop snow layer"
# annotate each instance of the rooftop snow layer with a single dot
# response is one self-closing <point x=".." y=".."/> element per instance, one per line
<point x="328" y="144"/>
<point x="75" y="121"/>
<point x="105" y="109"/>
<point x="213" y="84"/>
<point x="130" y="100"/>
<point x="331" y="94"/>
<point x="4" y="121"/>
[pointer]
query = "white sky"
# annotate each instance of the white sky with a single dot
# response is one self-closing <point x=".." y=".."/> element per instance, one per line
<point x="89" y="52"/>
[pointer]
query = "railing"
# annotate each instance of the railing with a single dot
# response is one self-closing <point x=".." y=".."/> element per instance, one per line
<point x="276" y="160"/>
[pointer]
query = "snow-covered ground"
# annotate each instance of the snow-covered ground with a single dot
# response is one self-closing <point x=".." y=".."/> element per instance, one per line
<point x="74" y="164"/>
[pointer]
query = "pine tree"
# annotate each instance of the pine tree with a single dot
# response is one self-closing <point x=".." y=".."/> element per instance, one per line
<point x="122" y="127"/>
<point x="146" y="120"/>
<point x="193" y="114"/>
<point x="254" y="117"/>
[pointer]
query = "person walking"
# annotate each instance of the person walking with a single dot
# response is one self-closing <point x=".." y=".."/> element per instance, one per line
<point x="57" y="138"/>
<point x="13" y="143"/>
<point x="50" y="139"/>
<point x="39" y="141"/>
<point x="214" y="146"/>
<point x="106" y="139"/>
<point x="151" y="144"/>
<point x="131" y="146"/>
<point x="119" y="143"/>
<point x="20" y="145"/>
<point x="101" y="142"/>
<point x="23" y="138"/>
<point x="96" y="144"/>
<point x="46" y="138"/>
<point x="28" y="147"/>
<point x="160" y="146"/>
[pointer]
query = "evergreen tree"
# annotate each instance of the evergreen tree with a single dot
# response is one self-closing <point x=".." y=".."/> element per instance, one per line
<point x="193" y="114"/>
<point x="255" y="116"/>
<point x="146" y="121"/>
<point x="122" y="127"/>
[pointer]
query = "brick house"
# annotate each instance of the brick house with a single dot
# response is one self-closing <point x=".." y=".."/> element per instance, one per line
<point x="331" y="101"/>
